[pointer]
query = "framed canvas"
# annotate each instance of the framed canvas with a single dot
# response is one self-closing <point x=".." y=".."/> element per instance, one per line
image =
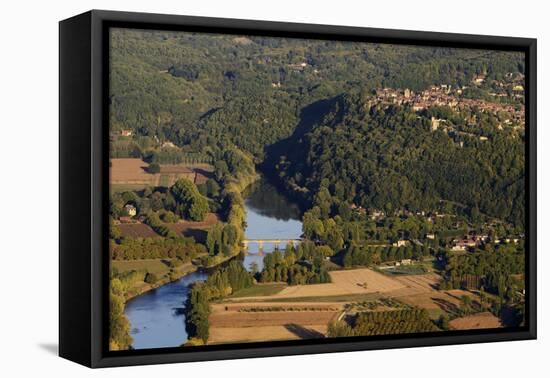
<point x="234" y="188"/>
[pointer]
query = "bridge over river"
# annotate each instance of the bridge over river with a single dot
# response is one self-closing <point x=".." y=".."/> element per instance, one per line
<point x="261" y="242"/>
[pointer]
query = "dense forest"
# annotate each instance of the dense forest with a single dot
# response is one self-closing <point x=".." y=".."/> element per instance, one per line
<point x="391" y="159"/>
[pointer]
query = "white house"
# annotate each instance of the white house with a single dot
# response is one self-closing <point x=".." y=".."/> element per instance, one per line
<point x="130" y="209"/>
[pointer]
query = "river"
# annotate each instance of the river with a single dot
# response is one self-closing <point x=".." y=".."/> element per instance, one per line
<point x="157" y="318"/>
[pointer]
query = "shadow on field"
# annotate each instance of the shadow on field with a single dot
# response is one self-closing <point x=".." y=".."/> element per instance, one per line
<point x="303" y="332"/>
<point x="446" y="305"/>
<point x="198" y="234"/>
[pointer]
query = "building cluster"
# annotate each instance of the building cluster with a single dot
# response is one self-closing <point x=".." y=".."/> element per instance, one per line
<point x="445" y="95"/>
<point x="471" y="241"/>
<point x="474" y="241"/>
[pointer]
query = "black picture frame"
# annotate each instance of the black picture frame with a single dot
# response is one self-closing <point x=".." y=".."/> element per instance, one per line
<point x="83" y="181"/>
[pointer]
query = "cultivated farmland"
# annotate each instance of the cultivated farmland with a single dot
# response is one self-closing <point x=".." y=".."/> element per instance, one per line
<point x="136" y="230"/>
<point x="131" y="174"/>
<point x="270" y="321"/>
<point x="345" y="282"/>
<point x="477" y="321"/>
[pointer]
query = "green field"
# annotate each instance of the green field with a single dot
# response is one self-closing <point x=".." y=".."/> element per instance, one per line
<point x="164" y="180"/>
<point x="405" y="270"/>
<point x="259" y="290"/>
<point x="160" y="267"/>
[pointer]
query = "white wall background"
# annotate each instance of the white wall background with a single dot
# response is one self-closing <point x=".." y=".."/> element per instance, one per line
<point x="29" y="186"/>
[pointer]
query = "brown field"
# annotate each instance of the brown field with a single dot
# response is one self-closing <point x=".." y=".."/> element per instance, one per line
<point x="343" y="282"/>
<point x="127" y="171"/>
<point x="421" y="291"/>
<point x="225" y="307"/>
<point x="194" y="229"/>
<point x="281" y="318"/>
<point x="210" y="220"/>
<point x="267" y="333"/>
<point x="233" y="323"/>
<point x="477" y="321"/>
<point x="132" y="173"/>
<point x="136" y="230"/>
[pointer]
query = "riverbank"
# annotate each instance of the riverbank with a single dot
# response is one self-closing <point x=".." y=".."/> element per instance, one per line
<point x="167" y="273"/>
<point x="235" y="188"/>
<point x="159" y="267"/>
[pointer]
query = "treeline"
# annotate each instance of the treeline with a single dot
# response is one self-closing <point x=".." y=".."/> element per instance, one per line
<point x="496" y="268"/>
<point x="182" y="200"/>
<point x="223" y="239"/>
<point x="389" y="159"/>
<point x="296" y="266"/>
<point x="355" y="255"/>
<point x="119" y="326"/>
<point x="384" y="323"/>
<point x="190" y="204"/>
<point x="156" y="248"/>
<point x="220" y="284"/>
<point x="234" y="171"/>
<point x="152" y="151"/>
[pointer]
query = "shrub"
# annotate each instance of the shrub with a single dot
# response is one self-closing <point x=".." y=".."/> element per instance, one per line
<point x="151" y="278"/>
<point x="153" y="168"/>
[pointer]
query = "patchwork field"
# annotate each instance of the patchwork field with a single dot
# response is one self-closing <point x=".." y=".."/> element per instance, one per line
<point x="278" y="311"/>
<point x="183" y="228"/>
<point x="129" y="173"/>
<point x="270" y="321"/>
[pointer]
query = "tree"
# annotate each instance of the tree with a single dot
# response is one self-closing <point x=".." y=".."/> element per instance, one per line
<point x="151" y="278"/>
<point x="114" y="232"/>
<point x="444" y="322"/>
<point x="190" y="203"/>
<point x="212" y="188"/>
<point x="214" y="239"/>
<point x="339" y="329"/>
<point x="254" y="269"/>
<point x="466" y="304"/>
<point x="153" y="168"/>
<point x="119" y="326"/>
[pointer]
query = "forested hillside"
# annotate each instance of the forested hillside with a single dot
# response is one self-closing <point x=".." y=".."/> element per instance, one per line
<point x="305" y="110"/>
<point x="391" y="159"/>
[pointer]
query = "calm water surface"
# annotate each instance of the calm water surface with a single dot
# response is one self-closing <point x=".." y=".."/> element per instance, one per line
<point x="269" y="215"/>
<point x="157" y="318"/>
